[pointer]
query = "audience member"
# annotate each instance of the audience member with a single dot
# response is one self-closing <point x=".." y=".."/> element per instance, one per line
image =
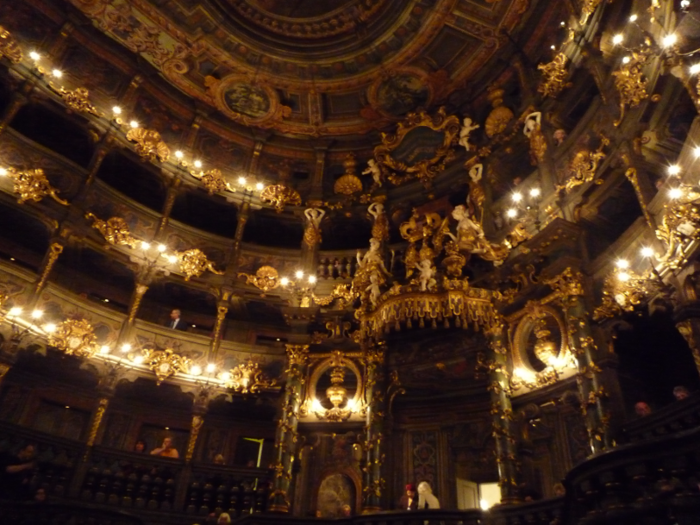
<point x="176" y="322"/>
<point x="559" y="490"/>
<point x="219" y="459"/>
<point x="409" y="501"/>
<point x="680" y="392"/>
<point x="345" y="511"/>
<point x="16" y="473"/>
<point x="166" y="450"/>
<point x="426" y="498"/>
<point x="40" y="495"/>
<point x="140" y="446"/>
<point x="642" y="409"/>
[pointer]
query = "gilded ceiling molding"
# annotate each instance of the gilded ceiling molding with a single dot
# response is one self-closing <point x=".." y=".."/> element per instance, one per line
<point x="279" y="196"/>
<point x="77" y="100"/>
<point x="266" y="279"/>
<point x="630" y="82"/>
<point x="115" y="230"/>
<point x="165" y="363"/>
<point x="555" y="76"/>
<point x="584" y="165"/>
<point x="248" y="378"/>
<point x="401" y="170"/>
<point x="32" y="185"/>
<point x="194" y="263"/>
<point x="149" y="145"/>
<point x="9" y="48"/>
<point x="75" y="337"/>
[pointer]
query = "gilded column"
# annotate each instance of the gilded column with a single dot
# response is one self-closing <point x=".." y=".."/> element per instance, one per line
<point x="591" y="390"/>
<point x="375" y="388"/>
<point x="55" y="249"/>
<point x="136" y="298"/>
<point x="96" y="421"/>
<point x="221" y="311"/>
<point x="195" y="427"/>
<point x="173" y="191"/>
<point x="285" y="442"/>
<point x="502" y="413"/>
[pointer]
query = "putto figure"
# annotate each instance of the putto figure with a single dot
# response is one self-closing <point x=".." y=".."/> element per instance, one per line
<point x="374" y="170"/>
<point x="467" y="128"/>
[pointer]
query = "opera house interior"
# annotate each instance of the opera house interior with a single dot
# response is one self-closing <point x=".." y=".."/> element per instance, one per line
<point x="377" y="261"/>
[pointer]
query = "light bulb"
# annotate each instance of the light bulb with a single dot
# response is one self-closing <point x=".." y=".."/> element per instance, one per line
<point x="696" y="152"/>
<point x="179" y="154"/>
<point x="34" y="56"/>
<point x="162" y="248"/>
<point x="622" y="264"/>
<point x="37" y="314"/>
<point x="695" y="69"/>
<point x="562" y="23"/>
<point x="134" y="124"/>
<point x="172" y="259"/>
<point x="284" y="281"/>
<point x="299" y="274"/>
<point x="674" y="170"/>
<point x="626" y="60"/>
<point x="104" y="350"/>
<point x="241" y="181"/>
<point x="647" y="251"/>
<point x="197" y="163"/>
<point x="226" y="376"/>
<point x="511" y="213"/>
<point x="259" y="186"/>
<point x="138" y="359"/>
<point x="126" y="347"/>
<point x="145" y="245"/>
<point x="675" y="193"/>
<point x="211" y="367"/>
<point x="15" y="311"/>
<point x="117" y="110"/>
<point x="57" y="73"/>
<point x="517" y="197"/>
<point x="618" y="39"/>
<point x="49" y="328"/>
<point x="196" y="370"/>
<point x="669" y="40"/>
<point x="633" y="18"/>
<point x="312" y="279"/>
<point x="535" y="192"/>
<point x="3" y="172"/>
<point x="623" y="276"/>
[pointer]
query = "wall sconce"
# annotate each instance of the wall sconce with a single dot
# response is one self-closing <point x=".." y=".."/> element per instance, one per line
<point x="525" y="207"/>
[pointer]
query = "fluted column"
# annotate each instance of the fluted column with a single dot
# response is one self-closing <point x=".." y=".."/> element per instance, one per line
<point x="502" y="414"/>
<point x="375" y="389"/>
<point x="591" y="390"/>
<point x="195" y="427"/>
<point x="285" y="442"/>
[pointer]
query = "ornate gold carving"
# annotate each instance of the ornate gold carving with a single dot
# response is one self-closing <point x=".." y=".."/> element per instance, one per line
<point x="212" y="180"/>
<point x="533" y="131"/>
<point x="569" y="283"/>
<point x="398" y="171"/>
<point x="624" y="290"/>
<point x="680" y="226"/>
<point x="630" y="82"/>
<point x="500" y="115"/>
<point x="279" y="195"/>
<point x="312" y="232"/>
<point x="349" y="182"/>
<point x="266" y="278"/>
<point x="115" y="230"/>
<point x="584" y="165"/>
<point x="554" y="75"/>
<point x="342" y="291"/>
<point x="195" y="427"/>
<point x="194" y="263"/>
<point x="297" y="354"/>
<point x="149" y="145"/>
<point x="165" y="363"/>
<point x="32" y="185"/>
<point x="75" y="337"/>
<point x="78" y="100"/>
<point x="380" y="227"/>
<point x="248" y="378"/>
<point x="9" y="48"/>
<point x="588" y="8"/>
<point x="55" y="249"/>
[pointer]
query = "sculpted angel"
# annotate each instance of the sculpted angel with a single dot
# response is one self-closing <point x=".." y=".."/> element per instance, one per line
<point x="467" y="128"/>
<point x="374" y="170"/>
<point x="380" y="228"/>
<point x="427" y="275"/>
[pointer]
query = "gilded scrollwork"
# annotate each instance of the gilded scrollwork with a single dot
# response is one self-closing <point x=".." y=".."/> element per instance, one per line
<point x="9" y="48"/>
<point x="630" y="82"/>
<point x="349" y="183"/>
<point x="165" y="363"/>
<point x="248" y="378"/>
<point x="194" y="263"/>
<point x="398" y="171"/>
<point x="32" y="185"/>
<point x="584" y="165"/>
<point x="297" y="354"/>
<point x="623" y="291"/>
<point x="149" y="144"/>
<point x="213" y="180"/>
<point x="680" y="226"/>
<point x="115" y="230"/>
<point x="554" y="75"/>
<point x="75" y="337"/>
<point x="279" y="196"/>
<point x="77" y="100"/>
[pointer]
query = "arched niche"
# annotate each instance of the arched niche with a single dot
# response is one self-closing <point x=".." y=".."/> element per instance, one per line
<point x="540" y="340"/>
<point x="336" y="490"/>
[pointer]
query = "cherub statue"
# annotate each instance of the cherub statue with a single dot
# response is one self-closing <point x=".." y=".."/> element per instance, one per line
<point x="533" y="130"/>
<point x="374" y="170"/>
<point x="380" y="228"/>
<point x="427" y="275"/>
<point x="532" y="122"/>
<point x="467" y="128"/>
<point x="373" y="289"/>
<point x="312" y="233"/>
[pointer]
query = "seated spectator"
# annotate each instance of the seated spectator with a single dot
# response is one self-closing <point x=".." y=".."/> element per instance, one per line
<point x="140" y="446"/>
<point x="40" y="496"/>
<point x="176" y="323"/>
<point x="559" y="490"/>
<point x="680" y="392"/>
<point x="16" y="472"/>
<point x="642" y="409"/>
<point x="167" y="450"/>
<point x="219" y="459"/>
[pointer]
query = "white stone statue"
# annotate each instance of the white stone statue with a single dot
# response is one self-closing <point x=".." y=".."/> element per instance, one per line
<point x="426" y="498"/>
<point x="532" y="122"/>
<point x="374" y="170"/>
<point x="467" y="128"/>
<point x="373" y="289"/>
<point x="372" y="255"/>
<point x="315" y="216"/>
<point x="427" y="275"/>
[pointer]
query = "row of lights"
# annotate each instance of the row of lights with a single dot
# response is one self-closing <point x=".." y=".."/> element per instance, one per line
<point x="311" y="279"/>
<point x="518" y="198"/>
<point x="134" y="124"/>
